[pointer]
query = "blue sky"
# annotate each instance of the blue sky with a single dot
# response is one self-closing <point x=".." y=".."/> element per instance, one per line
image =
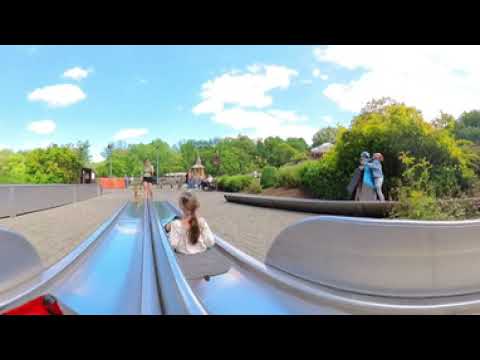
<point x="63" y="94"/>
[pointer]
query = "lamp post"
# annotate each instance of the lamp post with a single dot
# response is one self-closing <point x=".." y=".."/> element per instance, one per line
<point x="110" y="147"/>
<point x="158" y="155"/>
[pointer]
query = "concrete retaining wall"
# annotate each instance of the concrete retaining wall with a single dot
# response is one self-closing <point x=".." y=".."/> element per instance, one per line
<point x="346" y="208"/>
<point x="21" y="199"/>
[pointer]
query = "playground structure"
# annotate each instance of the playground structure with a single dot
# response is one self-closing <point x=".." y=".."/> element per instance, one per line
<point x="321" y="265"/>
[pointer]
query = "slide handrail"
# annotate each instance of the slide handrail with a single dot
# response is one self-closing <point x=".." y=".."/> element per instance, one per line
<point x="177" y="297"/>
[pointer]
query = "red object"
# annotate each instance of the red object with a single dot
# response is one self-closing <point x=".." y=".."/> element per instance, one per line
<point x="43" y="305"/>
<point x="112" y="183"/>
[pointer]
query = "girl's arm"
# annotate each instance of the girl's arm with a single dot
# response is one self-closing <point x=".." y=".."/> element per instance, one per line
<point x="208" y="236"/>
<point x="174" y="236"/>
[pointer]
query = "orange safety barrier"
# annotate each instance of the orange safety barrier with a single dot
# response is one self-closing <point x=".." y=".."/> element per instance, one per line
<point x="112" y="183"/>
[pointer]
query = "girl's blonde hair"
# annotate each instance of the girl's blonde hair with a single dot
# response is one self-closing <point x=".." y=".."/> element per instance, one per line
<point x="189" y="202"/>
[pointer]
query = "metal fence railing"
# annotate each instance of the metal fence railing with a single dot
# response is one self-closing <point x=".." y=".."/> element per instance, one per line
<point x="21" y="199"/>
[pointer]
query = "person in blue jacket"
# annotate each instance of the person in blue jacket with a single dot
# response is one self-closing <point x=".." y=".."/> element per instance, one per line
<point x="376" y="166"/>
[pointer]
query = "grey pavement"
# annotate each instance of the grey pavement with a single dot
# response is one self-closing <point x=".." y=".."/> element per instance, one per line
<point x="56" y="232"/>
<point x="249" y="228"/>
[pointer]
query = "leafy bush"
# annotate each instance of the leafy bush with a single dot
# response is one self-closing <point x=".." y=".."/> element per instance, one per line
<point x="417" y="199"/>
<point x="321" y="178"/>
<point x="269" y="177"/>
<point x="290" y="176"/>
<point x="234" y="183"/>
<point x="254" y="187"/>
<point x="391" y="130"/>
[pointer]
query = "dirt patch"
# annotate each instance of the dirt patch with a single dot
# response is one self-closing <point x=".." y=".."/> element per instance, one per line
<point x="285" y="192"/>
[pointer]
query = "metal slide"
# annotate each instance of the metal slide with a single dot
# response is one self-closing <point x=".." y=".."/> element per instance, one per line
<point x="321" y="265"/>
<point x="111" y="272"/>
<point x="347" y="281"/>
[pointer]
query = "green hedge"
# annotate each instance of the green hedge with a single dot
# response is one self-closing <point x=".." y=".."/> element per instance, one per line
<point x="269" y="177"/>
<point x="323" y="179"/>
<point x="254" y="187"/>
<point x="234" y="183"/>
<point x="290" y="176"/>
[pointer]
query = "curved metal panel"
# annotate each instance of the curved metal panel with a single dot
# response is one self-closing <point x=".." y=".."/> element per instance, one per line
<point x="18" y="259"/>
<point x="382" y="257"/>
<point x="348" y="208"/>
<point x="56" y="273"/>
<point x="255" y="280"/>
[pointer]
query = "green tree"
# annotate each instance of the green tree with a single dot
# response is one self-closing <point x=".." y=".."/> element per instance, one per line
<point x="83" y="149"/>
<point x="444" y="121"/>
<point x="53" y="165"/>
<point x="298" y="144"/>
<point x="276" y="151"/>
<point x="128" y="160"/>
<point x="395" y="129"/>
<point x="378" y="105"/>
<point x="325" y="135"/>
<point x="12" y="167"/>
<point x="468" y="126"/>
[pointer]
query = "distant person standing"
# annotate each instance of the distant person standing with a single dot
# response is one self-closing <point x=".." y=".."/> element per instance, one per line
<point x="148" y="172"/>
<point x="126" y="181"/>
<point x="365" y="188"/>
<point x="376" y="166"/>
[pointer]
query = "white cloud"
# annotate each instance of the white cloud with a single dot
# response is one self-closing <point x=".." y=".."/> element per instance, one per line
<point x="317" y="73"/>
<point x="248" y="89"/>
<point x="42" y="127"/>
<point x="261" y="124"/>
<point x="125" y="134"/>
<point x="76" y="73"/>
<point x="61" y="95"/>
<point x="30" y="145"/>
<point x="96" y="157"/>
<point x="327" y="119"/>
<point x="432" y="78"/>
<point x="96" y="150"/>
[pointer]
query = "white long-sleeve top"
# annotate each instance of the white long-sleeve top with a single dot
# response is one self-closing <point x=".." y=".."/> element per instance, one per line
<point x="180" y="242"/>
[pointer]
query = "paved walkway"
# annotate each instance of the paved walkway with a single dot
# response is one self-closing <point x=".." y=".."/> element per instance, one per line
<point x="56" y="232"/>
<point x="249" y="228"/>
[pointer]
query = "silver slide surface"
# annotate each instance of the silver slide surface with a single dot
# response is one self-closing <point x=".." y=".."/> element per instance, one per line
<point x="112" y="272"/>
<point x="244" y="291"/>
<point x="321" y="265"/>
<point x="337" y="265"/>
